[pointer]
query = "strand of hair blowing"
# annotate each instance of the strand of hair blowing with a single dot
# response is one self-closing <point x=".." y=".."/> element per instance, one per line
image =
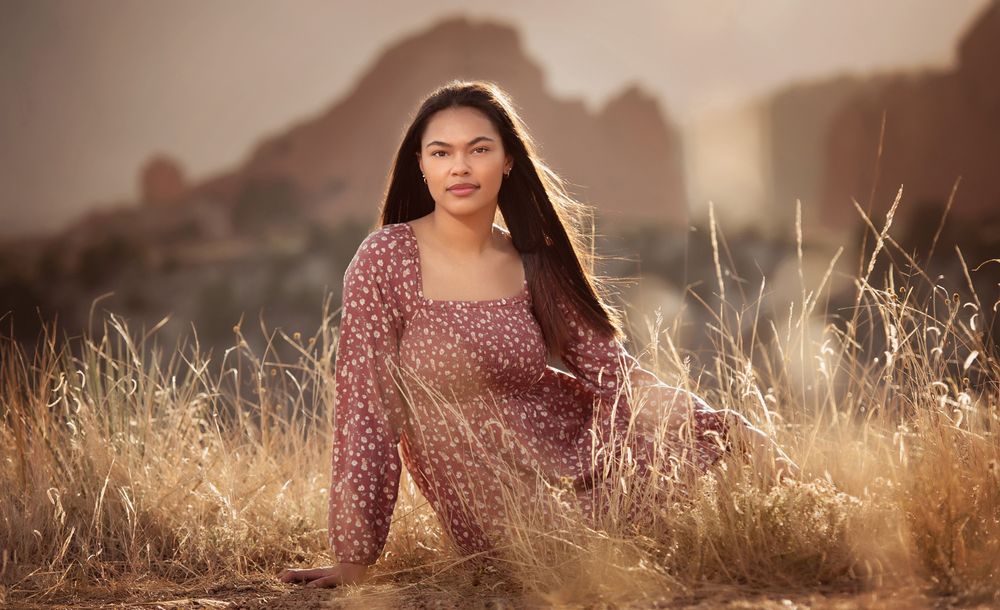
<point x="545" y="223"/>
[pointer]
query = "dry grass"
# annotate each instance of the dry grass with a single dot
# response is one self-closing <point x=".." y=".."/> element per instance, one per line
<point x="130" y="474"/>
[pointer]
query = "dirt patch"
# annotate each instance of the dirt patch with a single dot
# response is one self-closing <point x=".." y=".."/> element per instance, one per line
<point x="296" y="597"/>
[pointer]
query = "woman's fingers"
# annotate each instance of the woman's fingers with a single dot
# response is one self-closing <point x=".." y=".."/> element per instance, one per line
<point x="305" y="575"/>
<point x="788" y="471"/>
<point x="327" y="581"/>
<point x="327" y="576"/>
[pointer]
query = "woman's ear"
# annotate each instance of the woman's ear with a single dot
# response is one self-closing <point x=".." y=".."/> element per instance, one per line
<point x="420" y="161"/>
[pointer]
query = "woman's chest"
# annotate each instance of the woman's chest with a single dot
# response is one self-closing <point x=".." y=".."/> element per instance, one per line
<point x="465" y="351"/>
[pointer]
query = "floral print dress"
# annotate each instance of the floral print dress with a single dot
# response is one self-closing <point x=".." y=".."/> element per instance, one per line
<point x="462" y="393"/>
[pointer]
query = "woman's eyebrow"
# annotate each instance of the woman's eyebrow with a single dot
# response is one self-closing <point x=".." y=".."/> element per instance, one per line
<point x="471" y="142"/>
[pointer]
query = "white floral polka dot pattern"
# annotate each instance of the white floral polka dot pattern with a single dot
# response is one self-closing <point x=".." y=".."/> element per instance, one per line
<point x="464" y="389"/>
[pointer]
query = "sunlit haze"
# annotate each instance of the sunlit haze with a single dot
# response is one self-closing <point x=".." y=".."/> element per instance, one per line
<point x="91" y="90"/>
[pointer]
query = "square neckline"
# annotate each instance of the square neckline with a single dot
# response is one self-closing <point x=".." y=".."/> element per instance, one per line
<point x="522" y="295"/>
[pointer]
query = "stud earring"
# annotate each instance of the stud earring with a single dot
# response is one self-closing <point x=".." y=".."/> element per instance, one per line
<point x="424" y="177"/>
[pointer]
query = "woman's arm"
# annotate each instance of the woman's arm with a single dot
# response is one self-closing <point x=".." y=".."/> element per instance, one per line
<point x="367" y="416"/>
<point x="367" y="410"/>
<point x="603" y="365"/>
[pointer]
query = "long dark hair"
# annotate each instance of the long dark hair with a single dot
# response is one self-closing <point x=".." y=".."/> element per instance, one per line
<point x="545" y="223"/>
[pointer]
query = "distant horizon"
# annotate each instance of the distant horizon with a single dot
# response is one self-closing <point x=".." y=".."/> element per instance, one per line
<point x="91" y="92"/>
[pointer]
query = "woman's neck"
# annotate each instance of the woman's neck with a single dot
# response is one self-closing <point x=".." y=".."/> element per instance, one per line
<point x="467" y="236"/>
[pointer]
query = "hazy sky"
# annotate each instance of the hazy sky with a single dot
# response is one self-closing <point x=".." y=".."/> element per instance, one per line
<point x="89" y="90"/>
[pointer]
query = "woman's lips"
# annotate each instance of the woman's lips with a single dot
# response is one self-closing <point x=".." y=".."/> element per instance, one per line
<point x="462" y="191"/>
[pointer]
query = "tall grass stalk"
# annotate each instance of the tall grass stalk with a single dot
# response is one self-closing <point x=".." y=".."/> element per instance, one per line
<point x="121" y="461"/>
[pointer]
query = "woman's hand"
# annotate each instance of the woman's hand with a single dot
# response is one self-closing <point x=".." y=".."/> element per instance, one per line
<point x="763" y="451"/>
<point x="328" y="576"/>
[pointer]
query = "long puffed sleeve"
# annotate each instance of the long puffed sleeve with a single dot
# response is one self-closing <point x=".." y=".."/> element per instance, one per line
<point x="368" y="410"/>
<point x="631" y="397"/>
<point x="599" y="360"/>
<point x="603" y="365"/>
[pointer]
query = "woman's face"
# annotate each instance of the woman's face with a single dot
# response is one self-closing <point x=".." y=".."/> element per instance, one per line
<point x="459" y="147"/>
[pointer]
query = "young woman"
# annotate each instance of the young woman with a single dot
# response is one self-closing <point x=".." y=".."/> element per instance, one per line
<point x="447" y="328"/>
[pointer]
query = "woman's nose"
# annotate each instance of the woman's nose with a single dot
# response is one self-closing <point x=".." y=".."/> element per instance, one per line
<point x="461" y="166"/>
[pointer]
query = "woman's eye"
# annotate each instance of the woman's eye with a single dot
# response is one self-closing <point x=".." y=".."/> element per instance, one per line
<point x="444" y="152"/>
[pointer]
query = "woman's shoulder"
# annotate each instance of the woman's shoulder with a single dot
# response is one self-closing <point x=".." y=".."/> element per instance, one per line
<point x="385" y="238"/>
<point x="382" y="246"/>
<point x="383" y="255"/>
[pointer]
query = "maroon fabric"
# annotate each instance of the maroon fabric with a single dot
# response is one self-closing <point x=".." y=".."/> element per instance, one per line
<point x="464" y="389"/>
